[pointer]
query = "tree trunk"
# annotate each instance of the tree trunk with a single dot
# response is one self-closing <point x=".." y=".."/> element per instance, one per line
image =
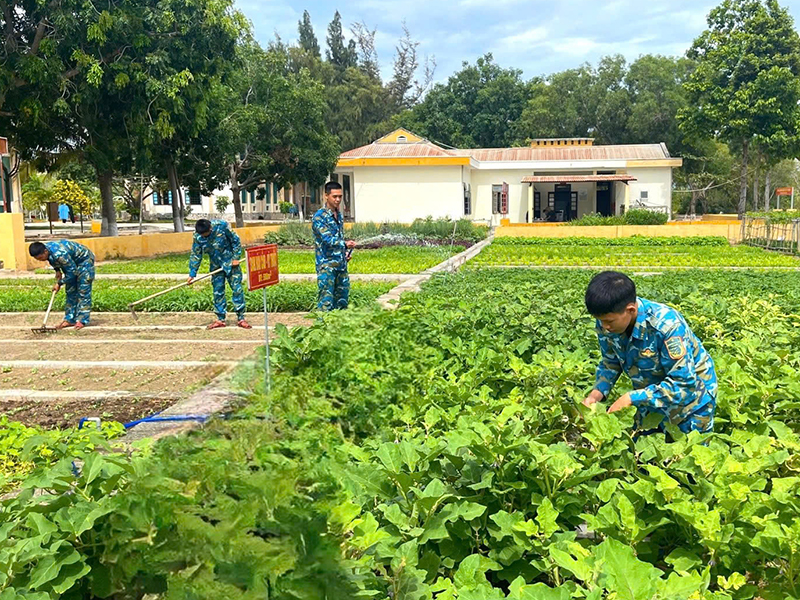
<point x="107" y="210"/>
<point x="756" y="185"/>
<point x="237" y="197"/>
<point x="177" y="214"/>
<point x="767" y="189"/>
<point x="743" y="181"/>
<point x="693" y="205"/>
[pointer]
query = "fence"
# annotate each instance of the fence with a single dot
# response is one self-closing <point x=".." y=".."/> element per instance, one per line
<point x="763" y="233"/>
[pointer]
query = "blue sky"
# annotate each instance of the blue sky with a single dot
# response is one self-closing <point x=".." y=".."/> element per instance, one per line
<point x="537" y="36"/>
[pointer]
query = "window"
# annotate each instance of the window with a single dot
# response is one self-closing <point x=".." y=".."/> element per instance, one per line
<point x="467" y="199"/>
<point x="252" y="196"/>
<point x="497" y="199"/>
<point x="401" y="139"/>
<point x="275" y="195"/>
<point x="169" y="197"/>
<point x="643" y="195"/>
<point x="155" y="198"/>
<point x="573" y="198"/>
<point x="537" y="205"/>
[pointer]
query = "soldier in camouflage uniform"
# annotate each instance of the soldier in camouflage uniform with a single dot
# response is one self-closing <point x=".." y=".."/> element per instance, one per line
<point x="74" y="266"/>
<point x="671" y="372"/>
<point x="224" y="250"/>
<point x="333" y="282"/>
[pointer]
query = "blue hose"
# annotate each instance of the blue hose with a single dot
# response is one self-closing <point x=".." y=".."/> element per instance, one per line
<point x="153" y="419"/>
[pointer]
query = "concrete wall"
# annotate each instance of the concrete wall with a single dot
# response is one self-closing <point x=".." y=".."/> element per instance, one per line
<point x="657" y="182"/>
<point x="142" y="246"/>
<point x="402" y="194"/>
<point x="731" y="231"/>
<point x="13" y="249"/>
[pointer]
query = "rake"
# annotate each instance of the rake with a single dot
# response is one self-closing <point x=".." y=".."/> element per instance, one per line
<point x="44" y="328"/>
<point x="131" y="306"/>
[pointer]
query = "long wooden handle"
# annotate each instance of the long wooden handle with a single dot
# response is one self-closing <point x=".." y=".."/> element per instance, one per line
<point x="173" y="288"/>
<point x="49" y="306"/>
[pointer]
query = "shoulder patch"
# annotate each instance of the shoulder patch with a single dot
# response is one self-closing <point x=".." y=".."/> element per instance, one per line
<point x="675" y="347"/>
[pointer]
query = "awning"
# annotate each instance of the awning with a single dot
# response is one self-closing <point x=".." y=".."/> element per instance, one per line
<point x="576" y="178"/>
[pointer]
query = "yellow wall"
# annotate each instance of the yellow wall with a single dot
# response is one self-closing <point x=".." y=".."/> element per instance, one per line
<point x="13" y="250"/>
<point x="151" y="244"/>
<point x="732" y="231"/>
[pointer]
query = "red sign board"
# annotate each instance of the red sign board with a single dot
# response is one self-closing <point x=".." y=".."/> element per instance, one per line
<point x="262" y="266"/>
<point x="784" y="191"/>
<point x="3" y="146"/>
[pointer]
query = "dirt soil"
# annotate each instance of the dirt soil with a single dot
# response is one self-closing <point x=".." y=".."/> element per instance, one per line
<point x="67" y="413"/>
<point x="34" y="319"/>
<point x="131" y="380"/>
<point x="70" y="350"/>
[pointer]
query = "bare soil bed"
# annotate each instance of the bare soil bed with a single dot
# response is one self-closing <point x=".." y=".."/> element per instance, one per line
<point x="185" y="380"/>
<point x="69" y="412"/>
<point x="68" y="349"/>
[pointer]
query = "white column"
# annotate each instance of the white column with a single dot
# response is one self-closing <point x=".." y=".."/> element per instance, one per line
<point x="530" y="203"/>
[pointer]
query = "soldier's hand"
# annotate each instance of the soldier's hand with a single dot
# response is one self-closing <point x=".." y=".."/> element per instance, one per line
<point x="624" y="401"/>
<point x="350" y="243"/>
<point x="234" y="263"/>
<point x="56" y="287"/>
<point x="190" y="280"/>
<point x="593" y="397"/>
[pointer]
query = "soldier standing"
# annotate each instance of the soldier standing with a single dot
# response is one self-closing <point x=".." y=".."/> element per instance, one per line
<point x="74" y="266"/>
<point x="333" y="282"/>
<point x="224" y="250"/>
<point x="671" y="372"/>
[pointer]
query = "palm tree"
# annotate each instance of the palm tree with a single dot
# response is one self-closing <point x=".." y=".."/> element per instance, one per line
<point x="36" y="192"/>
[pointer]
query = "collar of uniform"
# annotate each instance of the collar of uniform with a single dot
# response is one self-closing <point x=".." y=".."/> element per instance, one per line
<point x="331" y="212"/>
<point x="641" y="319"/>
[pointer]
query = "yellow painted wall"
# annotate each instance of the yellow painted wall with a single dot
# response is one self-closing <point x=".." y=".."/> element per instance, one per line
<point x="732" y="231"/>
<point x="13" y="249"/>
<point x="151" y="244"/>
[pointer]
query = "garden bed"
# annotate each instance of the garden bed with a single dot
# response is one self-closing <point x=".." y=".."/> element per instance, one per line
<point x="62" y="414"/>
<point x="21" y="295"/>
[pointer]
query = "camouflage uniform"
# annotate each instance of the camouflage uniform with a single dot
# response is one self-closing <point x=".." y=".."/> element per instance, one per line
<point x="76" y="263"/>
<point x="333" y="282"/>
<point x="672" y="373"/>
<point x="222" y="246"/>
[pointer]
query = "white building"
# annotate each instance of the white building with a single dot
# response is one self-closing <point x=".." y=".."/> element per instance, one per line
<point x="402" y="177"/>
<point x="258" y="202"/>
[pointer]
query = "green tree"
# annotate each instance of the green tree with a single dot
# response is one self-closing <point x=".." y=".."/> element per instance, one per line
<point x="268" y="127"/>
<point x="308" y="39"/>
<point x="475" y="108"/>
<point x="655" y="84"/>
<point x="37" y="191"/>
<point x="173" y="87"/>
<point x="340" y="54"/>
<point x="745" y="87"/>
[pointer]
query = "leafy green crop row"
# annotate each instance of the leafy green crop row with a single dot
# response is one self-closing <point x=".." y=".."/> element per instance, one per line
<point x="634" y="241"/>
<point x="24" y="448"/>
<point x="779" y="216"/>
<point x="630" y="256"/>
<point x="18" y="295"/>
<point x="441" y="451"/>
<point x="392" y="259"/>
<point x="635" y="216"/>
<point x="294" y="233"/>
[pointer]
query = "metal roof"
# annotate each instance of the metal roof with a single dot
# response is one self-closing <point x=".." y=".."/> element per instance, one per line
<point x="568" y="153"/>
<point x="427" y="149"/>
<point x="575" y="178"/>
<point x="406" y="150"/>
